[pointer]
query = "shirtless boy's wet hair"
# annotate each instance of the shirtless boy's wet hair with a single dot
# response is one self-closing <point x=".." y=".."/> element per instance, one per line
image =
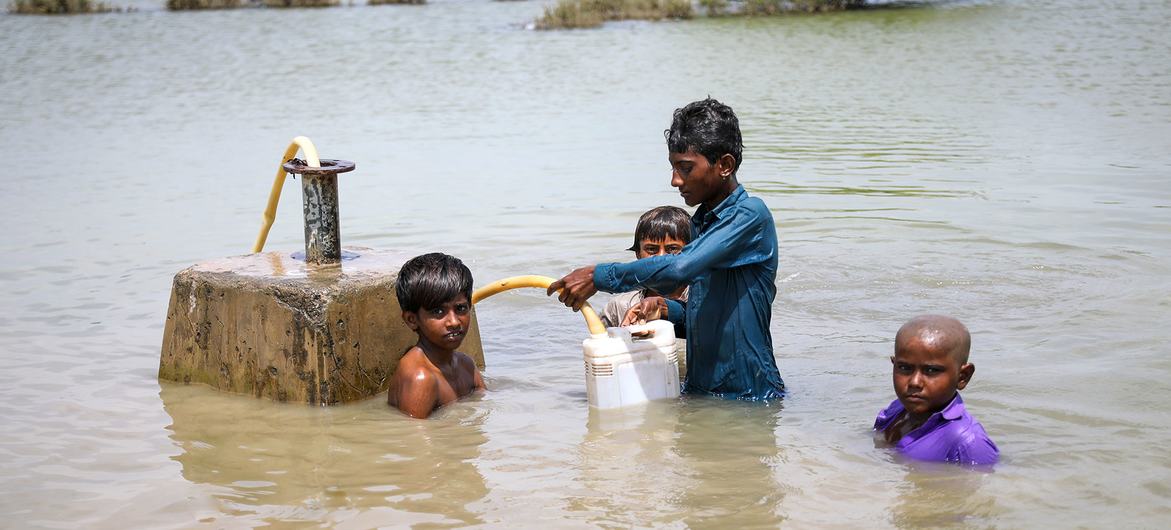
<point x="662" y="223"/>
<point x="710" y="128"/>
<point x="429" y="280"/>
<point x="434" y="292"/>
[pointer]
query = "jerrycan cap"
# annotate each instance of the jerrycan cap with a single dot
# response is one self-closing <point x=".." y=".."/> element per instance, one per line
<point x="657" y="332"/>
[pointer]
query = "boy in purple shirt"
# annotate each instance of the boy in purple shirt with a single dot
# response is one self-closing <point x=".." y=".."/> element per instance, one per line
<point x="928" y="421"/>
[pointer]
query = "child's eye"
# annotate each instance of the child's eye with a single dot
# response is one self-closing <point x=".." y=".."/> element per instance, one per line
<point x="462" y="309"/>
<point x="437" y="312"/>
<point x="674" y="249"/>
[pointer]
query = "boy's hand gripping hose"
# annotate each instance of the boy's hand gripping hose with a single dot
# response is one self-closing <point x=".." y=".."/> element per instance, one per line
<point x="311" y="159"/>
<point x="540" y="282"/>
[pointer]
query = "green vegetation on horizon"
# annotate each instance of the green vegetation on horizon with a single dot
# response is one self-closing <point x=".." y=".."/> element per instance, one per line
<point x="57" y="7"/>
<point x="776" y="7"/>
<point x="185" y="5"/>
<point x="568" y="14"/>
<point x="182" y="5"/>
<point x="565" y="14"/>
<point x="300" y="3"/>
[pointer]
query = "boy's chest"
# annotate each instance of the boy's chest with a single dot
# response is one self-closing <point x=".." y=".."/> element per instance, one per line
<point x="454" y="385"/>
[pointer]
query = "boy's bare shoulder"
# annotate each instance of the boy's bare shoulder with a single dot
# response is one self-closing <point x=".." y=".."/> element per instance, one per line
<point x="415" y="385"/>
<point x="414" y="365"/>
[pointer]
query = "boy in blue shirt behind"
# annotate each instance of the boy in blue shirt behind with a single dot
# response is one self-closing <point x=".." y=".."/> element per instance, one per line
<point x="730" y="266"/>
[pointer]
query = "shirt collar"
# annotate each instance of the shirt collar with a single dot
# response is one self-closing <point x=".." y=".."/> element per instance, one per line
<point x="736" y="196"/>
<point x="954" y="410"/>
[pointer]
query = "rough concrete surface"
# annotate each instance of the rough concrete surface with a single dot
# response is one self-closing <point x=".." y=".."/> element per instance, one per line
<point x="270" y="326"/>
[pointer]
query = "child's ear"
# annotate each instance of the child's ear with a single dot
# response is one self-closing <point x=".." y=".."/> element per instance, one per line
<point x="726" y="164"/>
<point x="966" y="372"/>
<point x="411" y="319"/>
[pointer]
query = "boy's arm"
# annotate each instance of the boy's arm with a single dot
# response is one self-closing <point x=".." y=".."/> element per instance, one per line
<point x="743" y="236"/>
<point x="470" y="365"/>
<point x="657" y="307"/>
<point x="737" y="239"/>
<point x="477" y="381"/>
<point x="417" y="392"/>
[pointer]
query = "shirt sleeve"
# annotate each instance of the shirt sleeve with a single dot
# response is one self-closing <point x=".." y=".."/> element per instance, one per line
<point x="610" y="316"/>
<point x="675" y="312"/>
<point x="617" y="307"/>
<point x="737" y="238"/>
<point x="974" y="448"/>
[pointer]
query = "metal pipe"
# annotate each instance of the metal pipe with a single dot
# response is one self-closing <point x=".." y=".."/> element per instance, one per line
<point x="323" y="242"/>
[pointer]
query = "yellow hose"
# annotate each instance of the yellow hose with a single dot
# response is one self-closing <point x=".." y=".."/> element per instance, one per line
<point x="299" y="143"/>
<point x="540" y="282"/>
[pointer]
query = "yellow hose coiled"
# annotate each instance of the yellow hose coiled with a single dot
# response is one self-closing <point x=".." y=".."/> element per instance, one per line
<point x="311" y="159"/>
<point x="539" y="282"/>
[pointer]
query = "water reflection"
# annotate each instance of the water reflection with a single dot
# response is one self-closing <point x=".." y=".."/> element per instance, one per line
<point x="935" y="495"/>
<point x="362" y="464"/>
<point x="628" y="465"/>
<point x="728" y="453"/>
<point x="699" y="462"/>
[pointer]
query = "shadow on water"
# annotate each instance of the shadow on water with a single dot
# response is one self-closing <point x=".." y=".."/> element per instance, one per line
<point x="360" y="464"/>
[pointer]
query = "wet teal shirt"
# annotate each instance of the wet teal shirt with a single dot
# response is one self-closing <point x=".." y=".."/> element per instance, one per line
<point x="731" y="268"/>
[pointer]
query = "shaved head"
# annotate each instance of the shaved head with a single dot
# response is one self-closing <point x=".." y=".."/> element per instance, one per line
<point x="937" y="333"/>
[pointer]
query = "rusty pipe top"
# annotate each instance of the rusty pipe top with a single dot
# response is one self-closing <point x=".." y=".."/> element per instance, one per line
<point x="328" y="167"/>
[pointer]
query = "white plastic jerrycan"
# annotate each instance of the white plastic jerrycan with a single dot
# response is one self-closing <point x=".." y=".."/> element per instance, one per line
<point x="624" y="370"/>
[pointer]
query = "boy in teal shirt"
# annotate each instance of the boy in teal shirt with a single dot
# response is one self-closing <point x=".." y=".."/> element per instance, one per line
<point x="730" y="266"/>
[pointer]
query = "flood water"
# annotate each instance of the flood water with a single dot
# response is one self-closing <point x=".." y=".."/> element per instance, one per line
<point x="1006" y="162"/>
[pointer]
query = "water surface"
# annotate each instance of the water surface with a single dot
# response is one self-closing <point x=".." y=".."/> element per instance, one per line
<point x="1004" y="162"/>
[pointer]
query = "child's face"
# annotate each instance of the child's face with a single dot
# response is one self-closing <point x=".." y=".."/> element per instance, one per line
<point x="444" y="326"/>
<point x="926" y="377"/>
<point x="658" y="247"/>
<point x="698" y="180"/>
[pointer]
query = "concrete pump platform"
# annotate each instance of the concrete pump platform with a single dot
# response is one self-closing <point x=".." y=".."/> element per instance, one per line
<point x="272" y="326"/>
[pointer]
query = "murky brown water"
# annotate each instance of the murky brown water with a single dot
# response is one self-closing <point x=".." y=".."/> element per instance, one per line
<point x="1006" y="162"/>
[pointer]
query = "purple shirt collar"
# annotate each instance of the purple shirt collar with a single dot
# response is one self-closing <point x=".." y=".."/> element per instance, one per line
<point x="950" y="435"/>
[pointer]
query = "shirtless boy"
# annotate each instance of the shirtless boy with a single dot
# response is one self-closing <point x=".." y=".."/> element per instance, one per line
<point x="434" y="292"/>
<point x="928" y="421"/>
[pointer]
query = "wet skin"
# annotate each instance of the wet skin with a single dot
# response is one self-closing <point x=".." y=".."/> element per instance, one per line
<point x="698" y="182"/>
<point x="929" y="367"/>
<point x="432" y="374"/>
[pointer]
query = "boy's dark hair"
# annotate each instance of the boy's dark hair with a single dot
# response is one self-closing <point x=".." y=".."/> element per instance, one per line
<point x="661" y="223"/>
<point x="430" y="280"/>
<point x="709" y="127"/>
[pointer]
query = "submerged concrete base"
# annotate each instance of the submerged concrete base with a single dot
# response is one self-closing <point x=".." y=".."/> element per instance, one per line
<point x="271" y="326"/>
